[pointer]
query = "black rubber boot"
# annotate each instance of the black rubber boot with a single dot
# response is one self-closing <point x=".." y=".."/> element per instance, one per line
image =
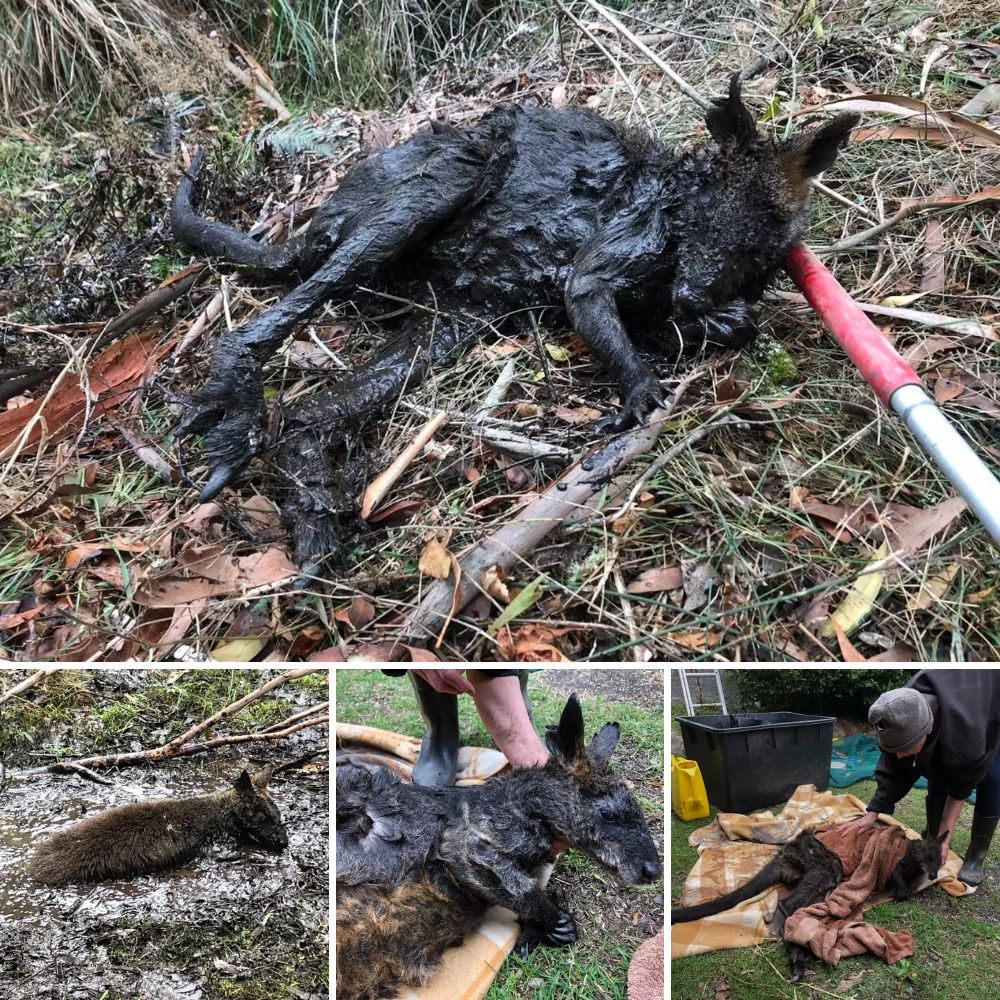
<point x="522" y="677"/>
<point x="934" y="809"/>
<point x="438" y="758"/>
<point x="983" y="828"/>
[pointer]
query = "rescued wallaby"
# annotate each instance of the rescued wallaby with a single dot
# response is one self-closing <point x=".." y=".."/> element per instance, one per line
<point x="146" y="837"/>
<point x="637" y="244"/>
<point x="417" y="867"/>
<point x="811" y="870"/>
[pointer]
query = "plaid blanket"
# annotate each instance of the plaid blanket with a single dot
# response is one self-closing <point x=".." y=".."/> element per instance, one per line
<point x="733" y="848"/>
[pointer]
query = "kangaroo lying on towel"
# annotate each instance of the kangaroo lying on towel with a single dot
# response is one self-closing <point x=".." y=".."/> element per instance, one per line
<point x="812" y="870"/>
<point x="417" y="867"/>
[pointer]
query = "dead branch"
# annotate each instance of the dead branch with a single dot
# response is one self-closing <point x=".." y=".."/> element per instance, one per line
<point x="25" y="684"/>
<point x="325" y="707"/>
<point x="68" y="767"/>
<point x="576" y="489"/>
<point x="181" y="746"/>
<point x="303" y="760"/>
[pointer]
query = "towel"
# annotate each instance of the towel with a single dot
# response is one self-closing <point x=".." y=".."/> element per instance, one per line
<point x="834" y="928"/>
<point x="734" y="847"/>
<point x="645" y="972"/>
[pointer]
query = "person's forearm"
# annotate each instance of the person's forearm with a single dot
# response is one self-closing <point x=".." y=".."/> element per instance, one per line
<point x="505" y="716"/>
<point x="949" y="816"/>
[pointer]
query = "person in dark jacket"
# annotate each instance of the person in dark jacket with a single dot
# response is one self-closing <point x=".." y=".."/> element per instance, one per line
<point x="945" y="726"/>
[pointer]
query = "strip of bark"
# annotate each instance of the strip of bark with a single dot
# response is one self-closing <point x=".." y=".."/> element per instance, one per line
<point x="325" y="707"/>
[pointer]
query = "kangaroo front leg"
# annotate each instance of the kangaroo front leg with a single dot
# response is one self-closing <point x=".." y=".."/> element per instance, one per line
<point x="730" y="325"/>
<point x="499" y="880"/>
<point x="591" y="307"/>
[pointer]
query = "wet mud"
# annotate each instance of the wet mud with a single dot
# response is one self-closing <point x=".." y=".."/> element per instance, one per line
<point x="236" y="922"/>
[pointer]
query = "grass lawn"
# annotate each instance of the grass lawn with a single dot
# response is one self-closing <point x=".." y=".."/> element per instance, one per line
<point x="957" y="940"/>
<point x="595" y="968"/>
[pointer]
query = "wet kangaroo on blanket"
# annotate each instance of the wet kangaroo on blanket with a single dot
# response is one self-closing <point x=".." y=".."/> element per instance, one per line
<point x="811" y="871"/>
<point x="417" y="867"/>
<point x="146" y="837"/>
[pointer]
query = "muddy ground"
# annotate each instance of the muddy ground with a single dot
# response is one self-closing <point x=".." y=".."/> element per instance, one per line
<point x="235" y="923"/>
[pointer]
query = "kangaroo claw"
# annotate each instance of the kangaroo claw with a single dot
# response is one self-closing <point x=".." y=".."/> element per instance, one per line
<point x="640" y="400"/>
<point x="563" y="932"/>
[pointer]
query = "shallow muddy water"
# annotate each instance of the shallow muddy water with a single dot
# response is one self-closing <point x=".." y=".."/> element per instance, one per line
<point x="195" y="933"/>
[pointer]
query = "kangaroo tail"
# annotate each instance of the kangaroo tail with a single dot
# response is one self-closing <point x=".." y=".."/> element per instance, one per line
<point x="769" y="875"/>
<point x="217" y="240"/>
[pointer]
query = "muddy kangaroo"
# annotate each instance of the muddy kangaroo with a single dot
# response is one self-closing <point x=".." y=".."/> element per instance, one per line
<point x="635" y="243"/>
<point x="146" y="837"/>
<point x="811" y="871"/>
<point x="417" y="867"/>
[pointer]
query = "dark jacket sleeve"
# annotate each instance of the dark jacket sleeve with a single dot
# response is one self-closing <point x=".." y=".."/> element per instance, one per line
<point x="894" y="777"/>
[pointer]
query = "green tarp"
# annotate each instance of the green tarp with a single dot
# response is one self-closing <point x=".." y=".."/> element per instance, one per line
<point x="854" y="759"/>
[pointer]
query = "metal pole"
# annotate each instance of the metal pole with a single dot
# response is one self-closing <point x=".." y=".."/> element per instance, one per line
<point x="898" y="386"/>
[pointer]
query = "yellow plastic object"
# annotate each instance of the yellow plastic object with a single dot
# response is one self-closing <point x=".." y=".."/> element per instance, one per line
<point x="687" y="789"/>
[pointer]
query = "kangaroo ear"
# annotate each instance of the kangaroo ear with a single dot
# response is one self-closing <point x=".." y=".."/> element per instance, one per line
<point x="813" y="152"/>
<point x="243" y="784"/>
<point x="728" y="120"/>
<point x="602" y="746"/>
<point x="261" y="778"/>
<point x="566" y="739"/>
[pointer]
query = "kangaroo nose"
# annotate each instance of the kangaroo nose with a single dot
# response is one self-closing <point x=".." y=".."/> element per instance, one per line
<point x="691" y="300"/>
<point x="651" y="870"/>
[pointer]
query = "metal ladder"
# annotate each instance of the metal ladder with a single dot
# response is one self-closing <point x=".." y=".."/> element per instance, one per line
<point x="689" y="703"/>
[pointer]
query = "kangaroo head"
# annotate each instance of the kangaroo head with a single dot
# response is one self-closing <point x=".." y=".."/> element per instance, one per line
<point x="599" y="815"/>
<point x="257" y="816"/>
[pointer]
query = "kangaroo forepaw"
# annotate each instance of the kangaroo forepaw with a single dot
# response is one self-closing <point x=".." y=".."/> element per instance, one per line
<point x="229" y="413"/>
<point x="531" y="936"/>
<point x="563" y="932"/>
<point x="640" y="400"/>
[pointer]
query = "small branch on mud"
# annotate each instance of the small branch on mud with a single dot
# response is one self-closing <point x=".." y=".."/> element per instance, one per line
<point x="68" y="767"/>
<point x="3" y="778"/>
<point x="181" y="746"/>
<point x="25" y="684"/>
<point x="301" y="761"/>
<point x="292" y="719"/>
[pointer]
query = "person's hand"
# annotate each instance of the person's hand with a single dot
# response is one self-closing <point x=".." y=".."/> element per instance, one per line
<point x="860" y="824"/>
<point x="447" y="681"/>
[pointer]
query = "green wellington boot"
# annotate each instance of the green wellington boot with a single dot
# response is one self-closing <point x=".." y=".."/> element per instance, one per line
<point x="983" y="828"/>
<point x="438" y="760"/>
<point x="934" y="809"/>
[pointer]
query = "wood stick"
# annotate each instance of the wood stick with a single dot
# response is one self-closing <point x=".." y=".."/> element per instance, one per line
<point x="25" y="684"/>
<point x="295" y="718"/>
<point x="68" y="767"/>
<point x="167" y="750"/>
<point x="575" y="489"/>
<point x="384" y="482"/>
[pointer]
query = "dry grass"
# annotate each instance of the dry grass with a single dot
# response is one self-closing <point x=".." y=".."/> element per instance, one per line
<point x="721" y="510"/>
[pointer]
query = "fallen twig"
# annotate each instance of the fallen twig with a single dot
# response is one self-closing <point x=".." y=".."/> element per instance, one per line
<point x="575" y="489"/>
<point x="384" y="482"/>
<point x="298" y="717"/>
<point x="30" y="682"/>
<point x="68" y="767"/>
<point x="304" y="759"/>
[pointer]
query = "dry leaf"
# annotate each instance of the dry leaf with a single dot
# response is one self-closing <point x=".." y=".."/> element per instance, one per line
<point x="915" y="531"/>
<point x="559" y="95"/>
<point x="359" y="613"/>
<point x="847" y="649"/>
<point x="947" y="388"/>
<point x="238" y="650"/>
<point x="654" y="581"/>
<point x="861" y="597"/>
<point x="492" y="582"/>
<point x="933" y="588"/>
<point x="435" y="560"/>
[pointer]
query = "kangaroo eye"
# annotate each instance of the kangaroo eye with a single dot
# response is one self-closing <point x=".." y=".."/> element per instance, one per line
<point x="608" y="815"/>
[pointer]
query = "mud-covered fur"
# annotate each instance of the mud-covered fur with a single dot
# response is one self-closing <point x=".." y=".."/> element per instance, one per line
<point x="146" y="837"/>
<point x="417" y="867"/>
<point x="812" y="871"/>
<point x="634" y="243"/>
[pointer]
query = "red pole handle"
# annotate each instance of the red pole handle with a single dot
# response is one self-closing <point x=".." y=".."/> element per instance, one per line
<point x="875" y="357"/>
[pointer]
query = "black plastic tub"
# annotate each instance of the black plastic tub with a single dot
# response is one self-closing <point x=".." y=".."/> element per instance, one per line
<point x="752" y="761"/>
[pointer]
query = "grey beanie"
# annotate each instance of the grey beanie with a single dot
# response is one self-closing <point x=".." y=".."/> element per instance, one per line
<point x="901" y="719"/>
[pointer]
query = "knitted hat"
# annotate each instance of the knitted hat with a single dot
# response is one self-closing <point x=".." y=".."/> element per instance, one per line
<point x="901" y="719"/>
